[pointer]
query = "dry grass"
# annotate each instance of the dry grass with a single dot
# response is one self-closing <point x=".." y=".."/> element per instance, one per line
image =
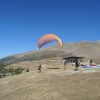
<point x="52" y="84"/>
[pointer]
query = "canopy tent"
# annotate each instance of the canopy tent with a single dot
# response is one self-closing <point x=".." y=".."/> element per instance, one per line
<point x="72" y="58"/>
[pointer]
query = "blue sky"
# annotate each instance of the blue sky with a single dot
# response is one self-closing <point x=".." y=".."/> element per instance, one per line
<point x="23" y="22"/>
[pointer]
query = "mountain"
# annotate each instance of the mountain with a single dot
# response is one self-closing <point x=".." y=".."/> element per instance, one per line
<point x="83" y="48"/>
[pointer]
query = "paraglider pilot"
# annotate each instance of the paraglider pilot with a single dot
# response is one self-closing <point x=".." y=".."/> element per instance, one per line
<point x="39" y="68"/>
<point x="76" y="64"/>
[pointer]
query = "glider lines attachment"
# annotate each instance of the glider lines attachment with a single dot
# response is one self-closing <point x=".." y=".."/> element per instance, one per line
<point x="48" y="38"/>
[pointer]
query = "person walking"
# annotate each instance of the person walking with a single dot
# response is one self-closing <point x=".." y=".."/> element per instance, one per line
<point x="90" y="62"/>
<point x="39" y="68"/>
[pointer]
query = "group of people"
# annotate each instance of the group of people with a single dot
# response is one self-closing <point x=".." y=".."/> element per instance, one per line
<point x="76" y="65"/>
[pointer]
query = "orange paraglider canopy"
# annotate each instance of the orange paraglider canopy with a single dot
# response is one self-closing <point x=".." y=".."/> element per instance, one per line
<point x="48" y="38"/>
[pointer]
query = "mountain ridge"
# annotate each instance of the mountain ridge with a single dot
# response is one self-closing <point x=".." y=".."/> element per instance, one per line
<point x="86" y="49"/>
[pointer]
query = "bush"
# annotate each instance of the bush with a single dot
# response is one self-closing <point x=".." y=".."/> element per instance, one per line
<point x="18" y="71"/>
<point x="27" y="70"/>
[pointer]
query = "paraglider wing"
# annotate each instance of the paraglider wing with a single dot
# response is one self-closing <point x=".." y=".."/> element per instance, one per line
<point x="48" y="38"/>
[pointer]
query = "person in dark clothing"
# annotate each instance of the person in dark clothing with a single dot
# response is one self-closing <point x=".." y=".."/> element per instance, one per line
<point x="91" y="62"/>
<point x="76" y="64"/>
<point x="39" y="68"/>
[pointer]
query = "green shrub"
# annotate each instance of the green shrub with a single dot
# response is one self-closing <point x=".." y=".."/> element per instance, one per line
<point x="11" y="71"/>
<point x="17" y="71"/>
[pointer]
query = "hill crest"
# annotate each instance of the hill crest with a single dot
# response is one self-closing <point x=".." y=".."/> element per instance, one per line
<point x="86" y="49"/>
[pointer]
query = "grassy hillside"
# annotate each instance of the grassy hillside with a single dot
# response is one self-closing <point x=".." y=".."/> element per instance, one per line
<point x="86" y="49"/>
<point x="52" y="84"/>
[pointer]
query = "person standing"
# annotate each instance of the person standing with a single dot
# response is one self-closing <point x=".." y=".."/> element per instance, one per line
<point x="76" y="64"/>
<point x="90" y="62"/>
<point x="65" y="64"/>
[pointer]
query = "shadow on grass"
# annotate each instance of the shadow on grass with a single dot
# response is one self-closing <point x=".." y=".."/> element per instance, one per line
<point x="76" y="69"/>
<point x="53" y="68"/>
